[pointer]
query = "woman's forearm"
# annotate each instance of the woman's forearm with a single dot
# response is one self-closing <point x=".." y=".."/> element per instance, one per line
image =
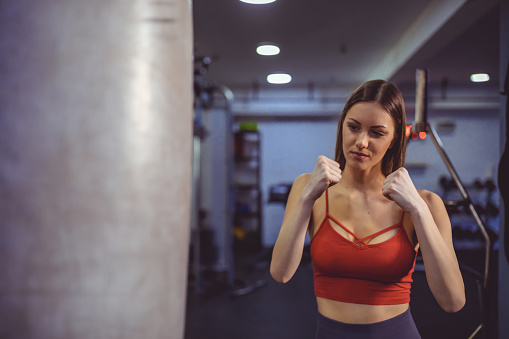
<point x="289" y="246"/>
<point x="441" y="266"/>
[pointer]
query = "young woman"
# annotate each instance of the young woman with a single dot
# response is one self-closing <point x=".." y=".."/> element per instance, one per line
<point x="366" y="222"/>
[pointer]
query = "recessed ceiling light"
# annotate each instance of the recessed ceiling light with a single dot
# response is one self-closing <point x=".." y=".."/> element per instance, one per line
<point x="279" y="78"/>
<point x="479" y="77"/>
<point x="267" y="50"/>
<point x="258" y="2"/>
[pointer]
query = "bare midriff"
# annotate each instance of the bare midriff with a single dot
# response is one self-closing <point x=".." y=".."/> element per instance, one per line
<point x="358" y="313"/>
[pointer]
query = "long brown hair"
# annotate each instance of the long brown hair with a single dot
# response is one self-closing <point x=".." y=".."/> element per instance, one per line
<point x="389" y="97"/>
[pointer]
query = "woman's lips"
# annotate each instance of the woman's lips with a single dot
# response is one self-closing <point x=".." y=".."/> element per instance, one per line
<point x="359" y="155"/>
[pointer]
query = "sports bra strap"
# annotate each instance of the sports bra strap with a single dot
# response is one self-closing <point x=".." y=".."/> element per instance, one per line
<point x="327" y="202"/>
<point x="379" y="233"/>
<point x="359" y="240"/>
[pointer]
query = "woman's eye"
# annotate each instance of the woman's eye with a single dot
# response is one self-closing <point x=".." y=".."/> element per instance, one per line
<point x="353" y="127"/>
<point x="377" y="133"/>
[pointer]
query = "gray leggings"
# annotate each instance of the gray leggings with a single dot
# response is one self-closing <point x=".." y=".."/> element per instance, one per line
<point x="401" y="326"/>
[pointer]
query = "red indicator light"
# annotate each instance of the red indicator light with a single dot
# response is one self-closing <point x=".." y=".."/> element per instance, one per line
<point x="408" y="130"/>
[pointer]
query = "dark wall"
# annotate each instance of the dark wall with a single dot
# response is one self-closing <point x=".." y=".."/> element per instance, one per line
<point x="503" y="309"/>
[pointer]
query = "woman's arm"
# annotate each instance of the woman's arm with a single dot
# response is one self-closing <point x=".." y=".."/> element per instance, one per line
<point x="433" y="230"/>
<point x="289" y="246"/>
<point x="306" y="189"/>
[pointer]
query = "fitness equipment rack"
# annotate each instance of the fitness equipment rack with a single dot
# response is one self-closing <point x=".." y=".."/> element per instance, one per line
<point x="204" y="92"/>
<point x="421" y="125"/>
<point x="487" y="209"/>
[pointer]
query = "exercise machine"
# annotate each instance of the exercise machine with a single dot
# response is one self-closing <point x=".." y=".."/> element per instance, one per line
<point x="421" y="125"/>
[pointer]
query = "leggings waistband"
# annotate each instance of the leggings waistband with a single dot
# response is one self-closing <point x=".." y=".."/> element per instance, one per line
<point x="400" y="326"/>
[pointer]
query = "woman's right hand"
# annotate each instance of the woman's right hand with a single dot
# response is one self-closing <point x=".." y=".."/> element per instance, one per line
<point x="306" y="189"/>
<point x="326" y="174"/>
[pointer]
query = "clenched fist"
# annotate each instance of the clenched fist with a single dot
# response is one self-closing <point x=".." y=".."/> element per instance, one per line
<point x="326" y="173"/>
<point x="399" y="188"/>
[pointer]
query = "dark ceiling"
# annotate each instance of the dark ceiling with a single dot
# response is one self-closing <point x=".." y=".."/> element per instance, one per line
<point x="340" y="44"/>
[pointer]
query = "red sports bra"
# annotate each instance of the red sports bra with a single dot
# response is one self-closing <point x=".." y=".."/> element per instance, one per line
<point x="361" y="273"/>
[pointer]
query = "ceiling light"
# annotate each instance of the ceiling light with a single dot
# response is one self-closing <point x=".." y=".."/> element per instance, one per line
<point x="258" y="2"/>
<point x="267" y="50"/>
<point x="479" y="77"/>
<point x="279" y="78"/>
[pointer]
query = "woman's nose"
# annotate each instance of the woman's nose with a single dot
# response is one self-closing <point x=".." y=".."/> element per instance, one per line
<point x="362" y="141"/>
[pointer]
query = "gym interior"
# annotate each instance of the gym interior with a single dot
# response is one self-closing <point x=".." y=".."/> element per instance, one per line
<point x="275" y="132"/>
<point x="147" y="150"/>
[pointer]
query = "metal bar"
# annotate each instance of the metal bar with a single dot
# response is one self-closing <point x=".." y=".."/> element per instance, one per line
<point x="466" y="197"/>
<point x="475" y="331"/>
<point x="195" y="226"/>
<point x="230" y="198"/>
<point x="196" y="201"/>
<point x="421" y="101"/>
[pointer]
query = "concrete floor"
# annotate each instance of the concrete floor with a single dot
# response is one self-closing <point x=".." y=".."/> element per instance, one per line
<point x="289" y="311"/>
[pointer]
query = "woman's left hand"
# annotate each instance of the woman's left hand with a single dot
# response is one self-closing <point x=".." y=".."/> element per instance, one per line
<point x="399" y="188"/>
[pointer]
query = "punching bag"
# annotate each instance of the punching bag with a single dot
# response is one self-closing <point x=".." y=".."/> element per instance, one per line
<point x="95" y="165"/>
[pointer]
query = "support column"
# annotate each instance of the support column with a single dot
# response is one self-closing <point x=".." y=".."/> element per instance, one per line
<point x="95" y="167"/>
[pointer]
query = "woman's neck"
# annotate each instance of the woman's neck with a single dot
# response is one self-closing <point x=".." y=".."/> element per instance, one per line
<point x="363" y="181"/>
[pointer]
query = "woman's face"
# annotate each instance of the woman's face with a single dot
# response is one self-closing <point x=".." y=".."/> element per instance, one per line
<point x="368" y="132"/>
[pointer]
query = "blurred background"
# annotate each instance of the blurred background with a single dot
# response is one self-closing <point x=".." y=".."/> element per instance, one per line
<point x="270" y="81"/>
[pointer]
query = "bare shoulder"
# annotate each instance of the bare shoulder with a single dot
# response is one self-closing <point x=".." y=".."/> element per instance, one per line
<point x="302" y="180"/>
<point x="297" y="187"/>
<point x="436" y="207"/>
<point x="432" y="199"/>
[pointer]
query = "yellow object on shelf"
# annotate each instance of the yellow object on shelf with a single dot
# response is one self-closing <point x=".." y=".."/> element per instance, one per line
<point x="239" y="233"/>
